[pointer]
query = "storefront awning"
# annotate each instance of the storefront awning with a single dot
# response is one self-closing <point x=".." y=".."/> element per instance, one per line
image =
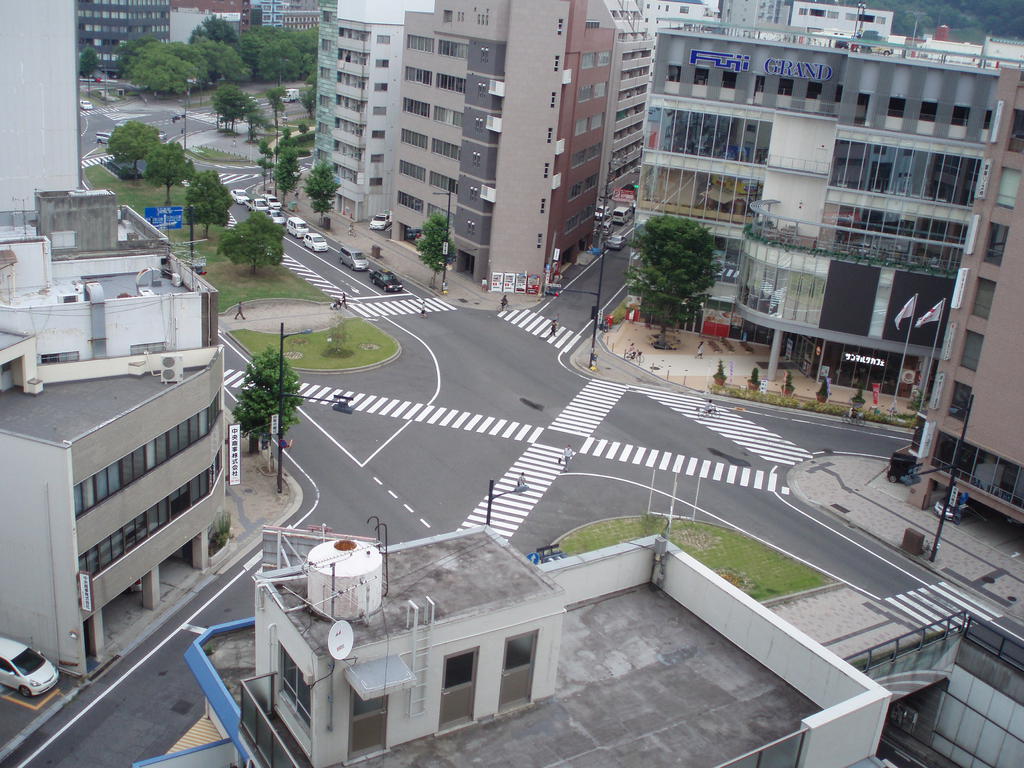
<point x="379" y="677"/>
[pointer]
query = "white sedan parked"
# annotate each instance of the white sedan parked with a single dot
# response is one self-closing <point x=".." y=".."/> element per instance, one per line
<point x="239" y="196"/>
<point x="314" y="241"/>
<point x="24" y="669"/>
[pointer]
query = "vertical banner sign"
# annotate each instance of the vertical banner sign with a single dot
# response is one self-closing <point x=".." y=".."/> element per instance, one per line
<point x="875" y="389"/>
<point x="274" y="425"/>
<point x="234" y="454"/>
<point x="85" y="591"/>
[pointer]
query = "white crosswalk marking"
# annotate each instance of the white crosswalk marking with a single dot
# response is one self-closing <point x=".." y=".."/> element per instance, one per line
<point x="539" y="466"/>
<point x="234" y="179"/>
<point x="929" y="605"/>
<point x="588" y="409"/>
<point x="692" y="466"/>
<point x="388" y="307"/>
<point x="203" y="117"/>
<point x="537" y="325"/>
<point x="730" y="425"/>
<point x="88" y="162"/>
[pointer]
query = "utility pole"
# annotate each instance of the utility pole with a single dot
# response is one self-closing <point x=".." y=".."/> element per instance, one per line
<point x="952" y="479"/>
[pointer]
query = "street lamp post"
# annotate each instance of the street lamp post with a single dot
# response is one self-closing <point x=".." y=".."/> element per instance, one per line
<point x="951" y="494"/>
<point x="521" y="487"/>
<point x="280" y="404"/>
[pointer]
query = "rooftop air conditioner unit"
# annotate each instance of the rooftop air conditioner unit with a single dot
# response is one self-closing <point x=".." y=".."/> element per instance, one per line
<point x="171" y="369"/>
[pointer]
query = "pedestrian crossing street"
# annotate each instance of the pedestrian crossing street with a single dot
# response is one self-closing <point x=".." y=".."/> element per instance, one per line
<point x="88" y="162"/>
<point x="730" y="425"/>
<point x="589" y="408"/>
<point x="537" y="325"/>
<point x="539" y="466"/>
<point x="385" y="307"/>
<point x="406" y="410"/>
<point x="678" y="464"/>
<point x="930" y="604"/>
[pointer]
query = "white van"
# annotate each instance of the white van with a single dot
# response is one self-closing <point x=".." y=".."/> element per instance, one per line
<point x="622" y="214"/>
<point x="353" y="258"/>
<point x="291" y="94"/>
<point x="102" y="137"/>
<point x="296" y="227"/>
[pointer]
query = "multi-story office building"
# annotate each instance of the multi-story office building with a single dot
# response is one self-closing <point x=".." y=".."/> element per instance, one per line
<point x="359" y="99"/>
<point x="111" y="422"/>
<point x="839" y="185"/>
<point x="817" y="16"/>
<point x="186" y="15"/>
<point x="44" y="88"/>
<point x="105" y="24"/>
<point x="750" y="13"/>
<point x="675" y="13"/>
<point x="504" y="107"/>
<point x="981" y="361"/>
<point x="296" y="14"/>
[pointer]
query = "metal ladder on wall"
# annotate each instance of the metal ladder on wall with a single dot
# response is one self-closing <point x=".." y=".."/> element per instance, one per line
<point x="420" y="654"/>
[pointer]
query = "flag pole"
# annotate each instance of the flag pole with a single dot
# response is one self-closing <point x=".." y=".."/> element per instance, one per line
<point x="931" y="357"/>
<point x="903" y="357"/>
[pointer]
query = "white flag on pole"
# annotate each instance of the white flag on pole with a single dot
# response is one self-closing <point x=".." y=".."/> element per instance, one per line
<point x="907" y="311"/>
<point x="932" y="315"/>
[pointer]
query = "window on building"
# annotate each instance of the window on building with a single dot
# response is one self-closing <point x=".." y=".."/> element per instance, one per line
<point x="813" y="89"/>
<point x="972" y="350"/>
<point x="759" y="84"/>
<point x="452" y="48"/>
<point x="785" y="86"/>
<point x="446" y="148"/>
<point x="596" y="121"/>
<point x="604" y="58"/>
<point x="600" y="89"/>
<point x="377" y="181"/>
<point x="378" y="134"/>
<point x="448" y="16"/>
<point x="417" y="172"/>
<point x="1009" y="184"/>
<point x="958" y="403"/>
<point x="420" y="43"/>
<point x="729" y="79"/>
<point x="293" y="686"/>
<point x="585" y="93"/>
<point x="409" y="201"/>
<point x="58" y="357"/>
<point x="414" y="138"/>
<point x="929" y="109"/>
<point x="897" y="106"/>
<point x="983" y="296"/>
<point x="675" y="73"/>
<point x="415" y="107"/>
<point x="581" y="126"/>
<point x="384" y="39"/>
<point x="380" y="87"/>
<point x="960" y="115"/>
<point x="418" y="75"/>
<point x="148" y="349"/>
<point x="587" y="60"/>
<point x="383" y="63"/>
<point x="700" y="76"/>
<point x="997" y="234"/>
<point x="377" y="158"/>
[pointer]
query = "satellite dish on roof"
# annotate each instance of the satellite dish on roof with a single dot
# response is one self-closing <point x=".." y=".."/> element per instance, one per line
<point x="339" y="640"/>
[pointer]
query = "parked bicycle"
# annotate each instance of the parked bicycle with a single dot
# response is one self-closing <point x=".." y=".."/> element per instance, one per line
<point x="633" y="354"/>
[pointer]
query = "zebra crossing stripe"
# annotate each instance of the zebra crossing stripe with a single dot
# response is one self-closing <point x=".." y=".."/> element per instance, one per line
<point x="537" y="325"/>
<point x="588" y="409"/>
<point x="958" y="597"/>
<point x="437" y="415"/>
<point x="539" y="464"/>
<point x="931" y="604"/>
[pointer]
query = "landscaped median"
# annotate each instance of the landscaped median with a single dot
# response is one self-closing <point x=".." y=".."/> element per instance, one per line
<point x="350" y="344"/>
<point x="760" y="571"/>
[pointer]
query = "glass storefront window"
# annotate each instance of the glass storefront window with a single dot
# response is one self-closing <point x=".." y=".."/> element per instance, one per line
<point x="745" y="140"/>
<point x="698" y="195"/>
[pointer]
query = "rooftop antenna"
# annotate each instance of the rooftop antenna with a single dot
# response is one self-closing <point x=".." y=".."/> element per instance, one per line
<point x="382" y="545"/>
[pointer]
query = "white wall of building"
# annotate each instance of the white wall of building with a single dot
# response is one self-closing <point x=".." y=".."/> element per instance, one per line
<point x="810" y="15"/>
<point x="39" y="130"/>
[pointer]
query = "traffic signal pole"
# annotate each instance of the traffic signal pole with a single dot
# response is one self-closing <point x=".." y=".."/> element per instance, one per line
<point x="952" y="479"/>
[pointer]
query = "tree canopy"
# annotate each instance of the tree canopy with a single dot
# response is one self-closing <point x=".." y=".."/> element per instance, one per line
<point x="222" y="61"/>
<point x="286" y="172"/>
<point x="257" y="241"/>
<point x="88" y="60"/>
<point x="431" y="245"/>
<point x="320" y="187"/>
<point x="258" y="397"/>
<point x="675" y="269"/>
<point x="231" y="103"/>
<point x="167" y="165"/>
<point x="132" y="141"/>
<point x="210" y="200"/>
<point x="216" y="29"/>
<point x="166" y="67"/>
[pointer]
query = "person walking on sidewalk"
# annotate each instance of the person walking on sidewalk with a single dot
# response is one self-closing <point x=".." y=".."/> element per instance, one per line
<point x="351" y="228"/>
<point x="238" y="311"/>
<point x="567" y="456"/>
<point x="700" y="350"/>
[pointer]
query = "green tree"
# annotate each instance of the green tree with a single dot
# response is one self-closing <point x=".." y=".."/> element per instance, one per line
<point x="286" y="172"/>
<point x="675" y="270"/>
<point x="216" y="29"/>
<point x="266" y="161"/>
<point x="320" y="188"/>
<point x="88" y="60"/>
<point x="167" y="165"/>
<point x="129" y="50"/>
<point x="254" y="119"/>
<point x="258" y="399"/>
<point x="231" y="103"/>
<point x="209" y="201"/>
<point x="222" y="61"/>
<point x="279" y="60"/>
<point x="257" y="241"/>
<point x="275" y="98"/>
<point x="432" y="245"/>
<point x="132" y="141"/>
<point x="166" y="67"/>
<point x="307" y="96"/>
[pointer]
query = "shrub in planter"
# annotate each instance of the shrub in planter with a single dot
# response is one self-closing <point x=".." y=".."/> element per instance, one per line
<point x="858" y="397"/>
<point x="822" y="393"/>
<point x="788" y="389"/>
<point x="755" y="379"/>
<point x="719" y="375"/>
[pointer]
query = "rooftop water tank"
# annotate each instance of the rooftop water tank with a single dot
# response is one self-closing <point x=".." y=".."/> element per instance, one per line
<point x="344" y="578"/>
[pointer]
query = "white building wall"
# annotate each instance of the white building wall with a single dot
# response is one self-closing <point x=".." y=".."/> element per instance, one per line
<point x="839" y="18"/>
<point x="39" y="131"/>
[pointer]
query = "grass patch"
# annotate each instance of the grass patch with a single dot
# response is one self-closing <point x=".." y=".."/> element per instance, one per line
<point x="209" y="153"/>
<point x="758" y="570"/>
<point x="364" y="344"/>
<point x="233" y="282"/>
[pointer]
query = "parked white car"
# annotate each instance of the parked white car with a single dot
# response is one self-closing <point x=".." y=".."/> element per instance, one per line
<point x="25" y="670"/>
<point x="273" y="202"/>
<point x="314" y="241"/>
<point x="239" y="196"/>
<point x="258" y="204"/>
<point x="381" y="221"/>
<point x="85" y="105"/>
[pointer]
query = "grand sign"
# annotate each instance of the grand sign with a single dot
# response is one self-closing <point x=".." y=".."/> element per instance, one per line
<point x="740" y="62"/>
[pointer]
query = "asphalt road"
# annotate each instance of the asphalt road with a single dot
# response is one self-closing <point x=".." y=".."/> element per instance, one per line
<point x="423" y="478"/>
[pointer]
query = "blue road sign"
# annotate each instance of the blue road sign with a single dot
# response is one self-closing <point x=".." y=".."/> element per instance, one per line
<point x="533" y="557"/>
<point x="166" y="216"/>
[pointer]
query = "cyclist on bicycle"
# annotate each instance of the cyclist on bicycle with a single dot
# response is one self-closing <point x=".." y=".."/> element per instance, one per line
<point x="632" y="351"/>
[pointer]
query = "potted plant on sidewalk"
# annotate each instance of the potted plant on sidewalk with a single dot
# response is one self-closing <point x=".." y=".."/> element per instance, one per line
<point x="822" y="393"/>
<point x="719" y="375"/>
<point x="788" y="389"/>
<point x="754" y="382"/>
<point x="858" y="398"/>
